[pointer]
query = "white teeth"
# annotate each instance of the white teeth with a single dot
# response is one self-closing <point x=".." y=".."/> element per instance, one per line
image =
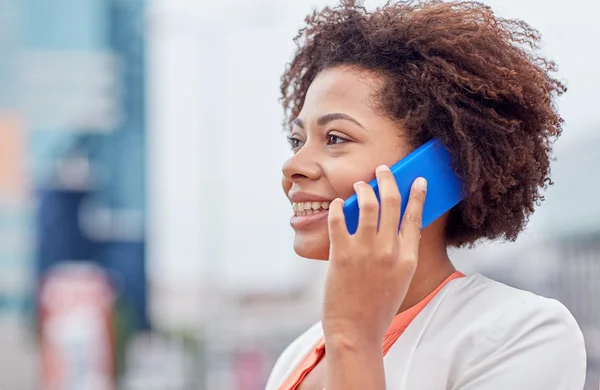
<point x="309" y="208"/>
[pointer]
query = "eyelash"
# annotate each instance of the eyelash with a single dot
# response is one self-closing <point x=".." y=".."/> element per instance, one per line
<point x="295" y="142"/>
<point x="342" y="139"/>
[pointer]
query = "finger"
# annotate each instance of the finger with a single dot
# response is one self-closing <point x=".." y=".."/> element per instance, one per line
<point x="410" y="229"/>
<point x="390" y="202"/>
<point x="368" y="206"/>
<point x="337" y="223"/>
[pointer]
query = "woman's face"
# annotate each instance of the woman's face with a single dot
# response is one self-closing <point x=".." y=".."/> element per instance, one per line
<point x="337" y="140"/>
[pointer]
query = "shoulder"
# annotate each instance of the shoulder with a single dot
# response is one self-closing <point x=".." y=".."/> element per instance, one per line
<point x="512" y="332"/>
<point x="293" y="354"/>
<point x="498" y="307"/>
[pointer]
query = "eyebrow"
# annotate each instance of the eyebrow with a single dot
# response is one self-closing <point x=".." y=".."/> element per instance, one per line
<point x="324" y="119"/>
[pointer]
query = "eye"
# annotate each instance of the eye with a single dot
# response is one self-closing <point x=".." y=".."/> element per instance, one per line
<point x="295" y="143"/>
<point x="333" y="139"/>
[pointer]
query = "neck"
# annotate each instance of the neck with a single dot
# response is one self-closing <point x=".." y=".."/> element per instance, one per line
<point x="433" y="268"/>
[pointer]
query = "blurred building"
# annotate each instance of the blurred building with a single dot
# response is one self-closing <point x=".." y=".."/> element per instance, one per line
<point x="72" y="103"/>
<point x="571" y="226"/>
<point x="16" y="215"/>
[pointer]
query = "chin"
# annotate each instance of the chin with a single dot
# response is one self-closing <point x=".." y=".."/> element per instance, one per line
<point x="315" y="248"/>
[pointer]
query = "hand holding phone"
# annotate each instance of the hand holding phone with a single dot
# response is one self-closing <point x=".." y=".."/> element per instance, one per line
<point x="431" y="161"/>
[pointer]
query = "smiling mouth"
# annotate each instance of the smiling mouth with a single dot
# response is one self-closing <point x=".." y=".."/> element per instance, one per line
<point x="309" y="208"/>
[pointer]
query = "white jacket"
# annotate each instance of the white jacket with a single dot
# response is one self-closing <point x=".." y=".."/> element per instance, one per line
<point x="475" y="334"/>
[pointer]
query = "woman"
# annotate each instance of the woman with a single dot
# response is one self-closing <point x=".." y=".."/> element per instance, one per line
<point x="362" y="91"/>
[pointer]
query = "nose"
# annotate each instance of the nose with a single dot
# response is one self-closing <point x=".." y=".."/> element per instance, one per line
<point x="302" y="165"/>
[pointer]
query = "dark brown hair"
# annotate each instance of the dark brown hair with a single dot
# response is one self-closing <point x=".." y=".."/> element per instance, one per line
<point x="456" y="72"/>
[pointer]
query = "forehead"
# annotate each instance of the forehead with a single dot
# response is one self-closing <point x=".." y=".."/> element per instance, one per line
<point x="341" y="89"/>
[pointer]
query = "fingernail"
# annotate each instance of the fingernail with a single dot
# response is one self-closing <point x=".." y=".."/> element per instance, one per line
<point x="356" y="184"/>
<point x="421" y="184"/>
<point x="382" y="168"/>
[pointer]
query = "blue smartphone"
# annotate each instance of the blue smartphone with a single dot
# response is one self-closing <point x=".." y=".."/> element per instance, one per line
<point x="444" y="188"/>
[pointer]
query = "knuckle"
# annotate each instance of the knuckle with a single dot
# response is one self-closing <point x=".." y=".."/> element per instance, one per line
<point x="414" y="219"/>
<point x="418" y="196"/>
<point x="370" y="205"/>
<point x="410" y="260"/>
<point x="387" y="251"/>
<point x="370" y="224"/>
<point x="391" y="199"/>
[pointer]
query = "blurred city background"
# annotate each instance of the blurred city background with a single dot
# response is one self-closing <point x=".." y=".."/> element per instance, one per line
<point x="144" y="240"/>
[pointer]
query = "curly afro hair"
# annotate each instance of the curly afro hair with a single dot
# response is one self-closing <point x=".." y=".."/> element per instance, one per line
<point x="456" y="72"/>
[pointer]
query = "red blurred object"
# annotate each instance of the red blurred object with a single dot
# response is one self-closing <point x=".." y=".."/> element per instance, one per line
<point x="249" y="368"/>
<point x="76" y="332"/>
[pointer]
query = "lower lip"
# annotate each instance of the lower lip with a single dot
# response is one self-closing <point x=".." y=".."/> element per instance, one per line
<point x="302" y="221"/>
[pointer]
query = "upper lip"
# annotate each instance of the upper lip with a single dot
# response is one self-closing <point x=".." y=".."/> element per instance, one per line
<point x="298" y="197"/>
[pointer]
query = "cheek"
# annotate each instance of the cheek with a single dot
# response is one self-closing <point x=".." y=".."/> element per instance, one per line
<point x="344" y="172"/>
<point x="342" y="179"/>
